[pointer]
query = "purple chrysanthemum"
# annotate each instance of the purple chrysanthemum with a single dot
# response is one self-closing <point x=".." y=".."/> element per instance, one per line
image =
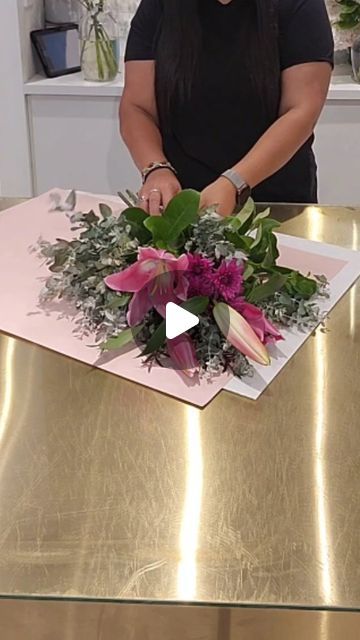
<point x="199" y="275"/>
<point x="228" y="280"/>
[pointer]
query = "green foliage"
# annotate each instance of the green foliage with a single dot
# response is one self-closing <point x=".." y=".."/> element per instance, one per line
<point x="124" y="338"/>
<point x="181" y="212"/>
<point x="135" y="218"/>
<point x="262" y="291"/>
<point x="350" y="14"/>
<point x="252" y="234"/>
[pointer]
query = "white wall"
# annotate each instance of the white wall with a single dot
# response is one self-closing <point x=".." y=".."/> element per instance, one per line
<point x="17" y="19"/>
<point x="30" y="17"/>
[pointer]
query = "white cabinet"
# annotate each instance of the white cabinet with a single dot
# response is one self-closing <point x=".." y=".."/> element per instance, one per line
<point x="76" y="144"/>
<point x="337" y="148"/>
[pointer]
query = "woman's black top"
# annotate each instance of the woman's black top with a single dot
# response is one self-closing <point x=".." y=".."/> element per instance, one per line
<point x="225" y="117"/>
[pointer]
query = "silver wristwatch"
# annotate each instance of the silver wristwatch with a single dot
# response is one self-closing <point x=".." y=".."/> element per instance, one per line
<point x="242" y="188"/>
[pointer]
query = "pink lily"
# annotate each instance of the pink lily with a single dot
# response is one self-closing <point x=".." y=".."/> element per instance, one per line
<point x="155" y="279"/>
<point x="182" y="353"/>
<point x="239" y="333"/>
<point x="265" y="331"/>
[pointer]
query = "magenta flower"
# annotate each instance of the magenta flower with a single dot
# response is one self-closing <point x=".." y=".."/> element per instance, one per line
<point x="155" y="279"/>
<point x="256" y="318"/>
<point x="199" y="275"/>
<point x="228" y="280"/>
<point x="182" y="353"/>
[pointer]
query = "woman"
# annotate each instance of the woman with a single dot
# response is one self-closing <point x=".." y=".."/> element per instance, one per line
<point x="230" y="87"/>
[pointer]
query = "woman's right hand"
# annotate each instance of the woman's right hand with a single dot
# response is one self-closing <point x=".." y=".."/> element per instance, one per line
<point x="159" y="188"/>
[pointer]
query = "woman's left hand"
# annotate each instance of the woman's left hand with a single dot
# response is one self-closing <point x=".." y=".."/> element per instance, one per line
<point x="222" y="193"/>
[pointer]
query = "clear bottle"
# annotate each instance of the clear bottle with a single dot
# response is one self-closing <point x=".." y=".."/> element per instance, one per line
<point x="355" y="58"/>
<point x="98" y="42"/>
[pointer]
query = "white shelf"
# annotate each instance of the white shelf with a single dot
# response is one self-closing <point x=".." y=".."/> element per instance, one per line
<point x="343" y="86"/>
<point x="73" y="85"/>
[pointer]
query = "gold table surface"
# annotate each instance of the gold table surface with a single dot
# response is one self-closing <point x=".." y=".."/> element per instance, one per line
<point x="109" y="490"/>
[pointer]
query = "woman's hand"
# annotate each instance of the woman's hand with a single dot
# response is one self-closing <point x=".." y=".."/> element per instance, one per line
<point x="221" y="193"/>
<point x="159" y="188"/>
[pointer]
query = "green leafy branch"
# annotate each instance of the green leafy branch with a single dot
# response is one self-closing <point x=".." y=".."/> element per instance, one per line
<point x="253" y="234"/>
<point x="182" y="212"/>
<point x="350" y="14"/>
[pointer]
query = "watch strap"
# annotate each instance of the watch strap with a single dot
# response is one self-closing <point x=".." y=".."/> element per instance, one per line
<point x="243" y="190"/>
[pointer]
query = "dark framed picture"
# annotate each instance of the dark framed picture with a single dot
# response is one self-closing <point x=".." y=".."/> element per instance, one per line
<point x="58" y="49"/>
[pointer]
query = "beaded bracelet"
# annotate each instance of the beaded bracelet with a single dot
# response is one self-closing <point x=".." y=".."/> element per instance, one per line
<point x="154" y="166"/>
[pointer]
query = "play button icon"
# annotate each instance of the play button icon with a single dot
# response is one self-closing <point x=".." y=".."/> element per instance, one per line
<point x="178" y="320"/>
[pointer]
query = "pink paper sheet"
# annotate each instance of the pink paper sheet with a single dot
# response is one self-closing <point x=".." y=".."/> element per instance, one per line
<point x="22" y="275"/>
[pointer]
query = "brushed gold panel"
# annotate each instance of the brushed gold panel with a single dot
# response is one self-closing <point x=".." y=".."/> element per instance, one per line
<point x="111" y="490"/>
<point x="96" y="621"/>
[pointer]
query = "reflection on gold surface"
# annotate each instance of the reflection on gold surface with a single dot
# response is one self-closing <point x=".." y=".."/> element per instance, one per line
<point x="189" y="533"/>
<point x="324" y="631"/>
<point x="352" y="296"/>
<point x="320" y="467"/>
<point x="320" y="410"/>
<point x="8" y="391"/>
<point x="95" y="621"/>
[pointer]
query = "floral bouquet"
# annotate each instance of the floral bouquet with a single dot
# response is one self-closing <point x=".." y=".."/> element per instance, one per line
<point x="122" y="270"/>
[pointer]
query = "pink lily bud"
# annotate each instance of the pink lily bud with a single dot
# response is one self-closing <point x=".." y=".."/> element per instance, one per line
<point x="182" y="353"/>
<point x="240" y="334"/>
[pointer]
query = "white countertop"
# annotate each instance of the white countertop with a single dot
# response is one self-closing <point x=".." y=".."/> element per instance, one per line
<point x="343" y="86"/>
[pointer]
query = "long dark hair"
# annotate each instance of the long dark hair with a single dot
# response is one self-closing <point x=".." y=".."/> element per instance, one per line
<point x="178" y="46"/>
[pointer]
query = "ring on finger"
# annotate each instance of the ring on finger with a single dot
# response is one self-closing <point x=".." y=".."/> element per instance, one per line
<point x="143" y="198"/>
<point x="155" y="191"/>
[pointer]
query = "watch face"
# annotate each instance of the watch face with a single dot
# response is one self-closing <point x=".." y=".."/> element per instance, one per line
<point x="244" y="194"/>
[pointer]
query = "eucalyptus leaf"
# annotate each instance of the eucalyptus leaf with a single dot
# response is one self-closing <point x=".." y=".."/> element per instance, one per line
<point x="90" y="218"/>
<point x="60" y="259"/>
<point x="70" y="201"/>
<point x="105" y="210"/>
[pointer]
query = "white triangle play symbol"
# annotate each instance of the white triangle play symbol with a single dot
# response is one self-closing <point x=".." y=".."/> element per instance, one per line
<point x="178" y="320"/>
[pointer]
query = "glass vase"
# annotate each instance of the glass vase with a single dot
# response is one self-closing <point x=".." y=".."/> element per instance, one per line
<point x="355" y="58"/>
<point x="98" y="42"/>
